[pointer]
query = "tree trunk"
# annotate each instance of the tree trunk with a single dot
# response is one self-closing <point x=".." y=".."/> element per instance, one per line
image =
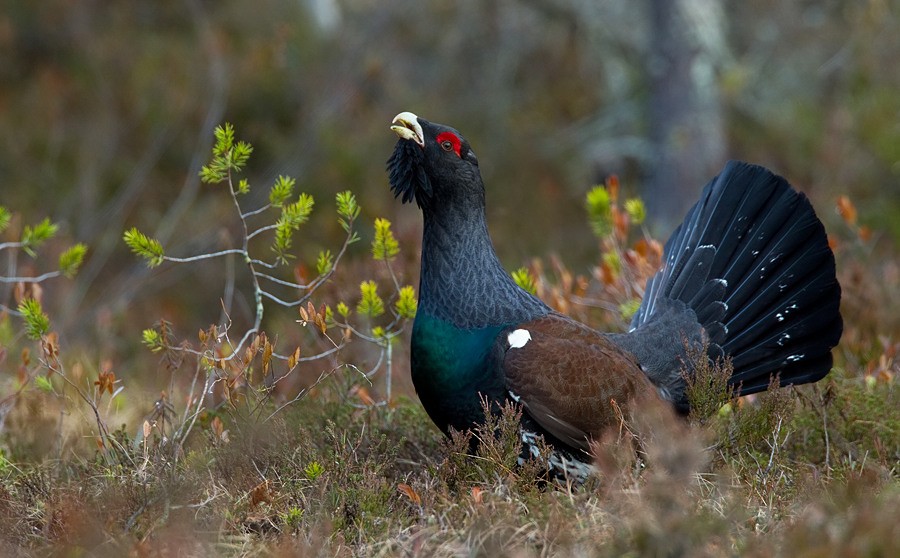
<point x="685" y="113"/>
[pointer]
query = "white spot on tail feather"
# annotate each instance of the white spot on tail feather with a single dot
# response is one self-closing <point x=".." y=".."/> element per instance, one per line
<point x="514" y="397"/>
<point x="518" y="338"/>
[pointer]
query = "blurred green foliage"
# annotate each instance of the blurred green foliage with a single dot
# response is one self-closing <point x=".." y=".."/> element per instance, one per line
<point x="107" y="113"/>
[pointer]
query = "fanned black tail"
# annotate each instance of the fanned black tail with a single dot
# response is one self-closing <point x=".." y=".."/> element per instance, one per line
<point x="752" y="261"/>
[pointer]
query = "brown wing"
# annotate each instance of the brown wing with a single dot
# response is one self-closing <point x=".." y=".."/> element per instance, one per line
<point x="567" y="375"/>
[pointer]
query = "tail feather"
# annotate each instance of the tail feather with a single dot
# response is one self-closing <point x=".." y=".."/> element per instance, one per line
<point x="751" y="261"/>
<point x="784" y="346"/>
<point x="694" y="273"/>
<point x="770" y="312"/>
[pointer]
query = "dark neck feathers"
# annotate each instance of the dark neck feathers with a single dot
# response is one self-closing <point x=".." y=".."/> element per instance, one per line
<point x="462" y="280"/>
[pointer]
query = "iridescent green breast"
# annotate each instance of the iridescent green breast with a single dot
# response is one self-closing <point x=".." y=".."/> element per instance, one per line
<point x="452" y="369"/>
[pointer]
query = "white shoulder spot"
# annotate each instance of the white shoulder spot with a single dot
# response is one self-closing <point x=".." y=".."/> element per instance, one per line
<point x="518" y="338"/>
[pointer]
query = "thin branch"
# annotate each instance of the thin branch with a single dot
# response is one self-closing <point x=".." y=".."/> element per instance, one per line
<point x="206" y="256"/>
<point x="6" y="245"/>
<point x="263" y="264"/>
<point x="38" y="279"/>
<point x="10" y="311"/>
<point x="261" y="230"/>
<point x="286" y="283"/>
<point x="256" y="211"/>
<point x="324" y="277"/>
<point x="284" y="303"/>
<point x="393" y="276"/>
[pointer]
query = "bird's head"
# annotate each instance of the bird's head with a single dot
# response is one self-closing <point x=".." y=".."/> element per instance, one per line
<point x="431" y="162"/>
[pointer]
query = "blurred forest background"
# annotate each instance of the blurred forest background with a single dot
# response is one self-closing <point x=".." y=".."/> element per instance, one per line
<point x="107" y="112"/>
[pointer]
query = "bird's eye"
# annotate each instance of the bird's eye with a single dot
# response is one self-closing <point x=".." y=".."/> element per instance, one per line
<point x="449" y="142"/>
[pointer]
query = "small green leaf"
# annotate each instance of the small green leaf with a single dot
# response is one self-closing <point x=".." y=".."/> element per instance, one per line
<point x="32" y="237"/>
<point x="599" y="210"/>
<point x="324" y="262"/>
<point x="292" y="216"/>
<point x="240" y="155"/>
<point x="224" y="139"/>
<point x="293" y="517"/>
<point x="612" y="260"/>
<point x="407" y="304"/>
<point x="370" y="304"/>
<point x="298" y="212"/>
<point x="525" y="280"/>
<point x="313" y="470"/>
<point x="243" y="186"/>
<point x="384" y="245"/>
<point x="148" y="248"/>
<point x="5" y="218"/>
<point x="213" y="173"/>
<point x="347" y="209"/>
<point x="71" y="260"/>
<point x="629" y="308"/>
<point x="343" y="309"/>
<point x="43" y="383"/>
<point x="636" y="210"/>
<point x="281" y="191"/>
<point x="152" y="340"/>
<point x="227" y="156"/>
<point x="37" y="324"/>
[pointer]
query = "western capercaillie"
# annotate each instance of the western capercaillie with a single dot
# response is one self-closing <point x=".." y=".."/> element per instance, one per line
<point x="749" y="275"/>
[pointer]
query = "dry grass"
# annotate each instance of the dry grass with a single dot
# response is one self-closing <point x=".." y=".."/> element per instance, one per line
<point x="772" y="477"/>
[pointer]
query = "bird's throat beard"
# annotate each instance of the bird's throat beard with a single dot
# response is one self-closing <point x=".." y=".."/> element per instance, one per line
<point x="407" y="173"/>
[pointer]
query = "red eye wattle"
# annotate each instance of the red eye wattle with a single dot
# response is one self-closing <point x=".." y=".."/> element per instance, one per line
<point x="449" y="142"/>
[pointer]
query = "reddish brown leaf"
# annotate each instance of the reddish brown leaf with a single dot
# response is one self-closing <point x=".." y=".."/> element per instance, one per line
<point x="320" y="323"/>
<point x="28" y="290"/>
<point x="865" y="233"/>
<point x="301" y="273"/>
<point x="105" y="382"/>
<point x="50" y="347"/>
<point x="294" y="358"/>
<point x="620" y="222"/>
<point x="612" y="186"/>
<point x="363" y="394"/>
<point x="217" y="426"/>
<point x="410" y="493"/>
<point x="260" y="493"/>
<point x="477" y="495"/>
<point x="847" y="210"/>
<point x="266" y="357"/>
